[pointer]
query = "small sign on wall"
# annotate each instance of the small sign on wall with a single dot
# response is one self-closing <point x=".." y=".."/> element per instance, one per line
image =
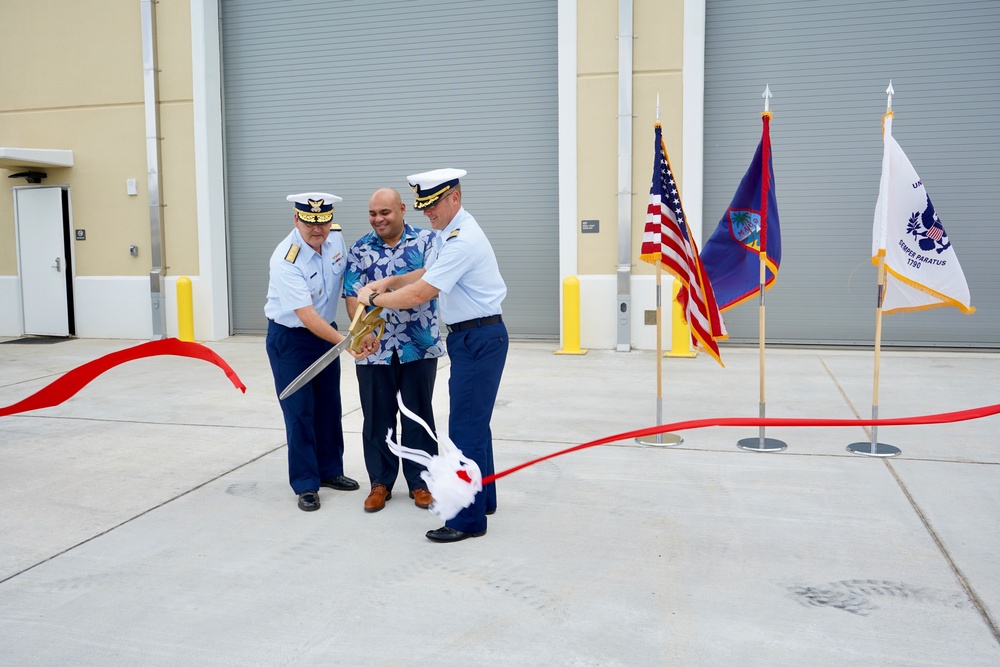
<point x="81" y="235"/>
<point x="590" y="226"/>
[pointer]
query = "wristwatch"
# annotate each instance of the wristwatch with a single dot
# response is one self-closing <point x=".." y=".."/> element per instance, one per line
<point x="371" y="298"/>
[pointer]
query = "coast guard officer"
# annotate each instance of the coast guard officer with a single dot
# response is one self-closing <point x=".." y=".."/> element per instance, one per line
<point x="306" y="278"/>
<point x="467" y="281"/>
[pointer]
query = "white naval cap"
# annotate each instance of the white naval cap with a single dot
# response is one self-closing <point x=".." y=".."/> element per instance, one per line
<point x="314" y="208"/>
<point x="429" y="186"/>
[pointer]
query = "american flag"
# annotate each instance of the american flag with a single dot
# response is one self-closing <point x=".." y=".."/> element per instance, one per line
<point x="667" y="240"/>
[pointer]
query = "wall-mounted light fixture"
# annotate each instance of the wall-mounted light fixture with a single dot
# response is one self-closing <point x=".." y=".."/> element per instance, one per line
<point x="31" y="176"/>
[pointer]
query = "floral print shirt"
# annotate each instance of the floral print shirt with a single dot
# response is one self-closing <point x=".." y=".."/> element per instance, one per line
<point x="413" y="333"/>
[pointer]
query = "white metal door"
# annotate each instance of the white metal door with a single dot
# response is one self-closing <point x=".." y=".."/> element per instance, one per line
<point x="41" y="260"/>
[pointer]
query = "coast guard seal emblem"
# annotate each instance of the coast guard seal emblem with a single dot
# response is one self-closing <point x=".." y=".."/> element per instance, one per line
<point x="927" y="230"/>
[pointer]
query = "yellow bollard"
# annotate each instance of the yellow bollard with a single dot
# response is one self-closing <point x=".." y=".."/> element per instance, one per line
<point x="571" y="317"/>
<point x="680" y="332"/>
<point x="185" y="310"/>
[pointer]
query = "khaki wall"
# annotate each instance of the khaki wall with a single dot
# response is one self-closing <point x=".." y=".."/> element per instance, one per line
<point x="657" y="68"/>
<point x="84" y="92"/>
<point x="72" y="78"/>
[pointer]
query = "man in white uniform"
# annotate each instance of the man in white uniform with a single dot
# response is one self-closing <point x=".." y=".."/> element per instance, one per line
<point x="467" y="281"/>
<point x="306" y="278"/>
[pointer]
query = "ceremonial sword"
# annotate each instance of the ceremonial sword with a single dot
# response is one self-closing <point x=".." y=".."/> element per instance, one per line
<point x="363" y="324"/>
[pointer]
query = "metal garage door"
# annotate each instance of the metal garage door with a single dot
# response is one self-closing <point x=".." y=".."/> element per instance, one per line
<point x="828" y="64"/>
<point x="346" y="97"/>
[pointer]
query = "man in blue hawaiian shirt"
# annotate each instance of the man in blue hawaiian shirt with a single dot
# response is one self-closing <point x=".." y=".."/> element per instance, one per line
<point x="407" y="359"/>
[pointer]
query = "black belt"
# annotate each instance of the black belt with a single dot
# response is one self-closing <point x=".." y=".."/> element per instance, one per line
<point x="332" y="324"/>
<point x="472" y="324"/>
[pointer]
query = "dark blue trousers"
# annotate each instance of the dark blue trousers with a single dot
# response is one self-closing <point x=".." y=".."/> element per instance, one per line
<point x="477" y="360"/>
<point x="312" y="414"/>
<point x="378" y="384"/>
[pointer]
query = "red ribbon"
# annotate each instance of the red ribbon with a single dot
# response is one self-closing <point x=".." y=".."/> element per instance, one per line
<point x="69" y="384"/>
<point x="943" y="418"/>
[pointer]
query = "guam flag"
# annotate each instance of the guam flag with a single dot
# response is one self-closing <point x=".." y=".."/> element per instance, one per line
<point x="748" y="230"/>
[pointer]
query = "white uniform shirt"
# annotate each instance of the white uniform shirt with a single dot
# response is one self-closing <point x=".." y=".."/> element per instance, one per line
<point x="305" y="278"/>
<point x="465" y="271"/>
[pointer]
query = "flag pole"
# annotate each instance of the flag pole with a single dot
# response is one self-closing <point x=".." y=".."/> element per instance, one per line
<point x="874" y="447"/>
<point x="761" y="443"/>
<point x="663" y="439"/>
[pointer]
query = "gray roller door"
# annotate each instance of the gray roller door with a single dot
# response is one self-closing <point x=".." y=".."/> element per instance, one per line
<point x="346" y="97"/>
<point x="828" y="64"/>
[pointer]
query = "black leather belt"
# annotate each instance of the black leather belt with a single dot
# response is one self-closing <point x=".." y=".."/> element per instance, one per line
<point x="472" y="324"/>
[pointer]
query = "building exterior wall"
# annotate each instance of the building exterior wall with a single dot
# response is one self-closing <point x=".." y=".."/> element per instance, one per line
<point x="81" y="89"/>
<point x="658" y="60"/>
<point x="72" y="78"/>
<point x="87" y="96"/>
<point x="828" y="71"/>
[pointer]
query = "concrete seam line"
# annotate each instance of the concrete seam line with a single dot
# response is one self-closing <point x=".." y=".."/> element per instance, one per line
<point x="140" y="514"/>
<point x="990" y="623"/>
<point x="836" y="384"/>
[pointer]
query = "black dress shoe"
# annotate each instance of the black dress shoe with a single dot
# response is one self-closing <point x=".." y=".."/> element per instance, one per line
<point x="309" y="501"/>
<point x="341" y="483"/>
<point x="446" y="534"/>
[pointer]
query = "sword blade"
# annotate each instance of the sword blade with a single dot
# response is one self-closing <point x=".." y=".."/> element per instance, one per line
<point x="316" y="368"/>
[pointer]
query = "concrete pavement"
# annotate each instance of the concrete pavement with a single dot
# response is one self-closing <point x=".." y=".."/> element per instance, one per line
<point x="148" y="521"/>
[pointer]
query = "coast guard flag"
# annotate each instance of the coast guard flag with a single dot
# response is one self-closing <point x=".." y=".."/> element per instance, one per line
<point x="749" y="227"/>
<point x="922" y="270"/>
<point x="667" y="240"/>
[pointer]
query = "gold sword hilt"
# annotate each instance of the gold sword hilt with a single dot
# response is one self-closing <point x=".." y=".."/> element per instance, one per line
<point x="365" y="323"/>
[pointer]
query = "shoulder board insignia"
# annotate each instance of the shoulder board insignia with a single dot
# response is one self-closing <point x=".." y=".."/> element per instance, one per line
<point x="292" y="253"/>
<point x="335" y="228"/>
<point x="453" y="235"/>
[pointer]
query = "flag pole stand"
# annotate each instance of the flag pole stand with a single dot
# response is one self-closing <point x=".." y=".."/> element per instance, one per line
<point x="874" y="447"/>
<point x="660" y="439"/>
<point x="761" y="443"/>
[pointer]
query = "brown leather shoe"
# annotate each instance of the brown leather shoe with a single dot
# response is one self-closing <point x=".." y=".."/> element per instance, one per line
<point x="422" y="498"/>
<point x="376" y="499"/>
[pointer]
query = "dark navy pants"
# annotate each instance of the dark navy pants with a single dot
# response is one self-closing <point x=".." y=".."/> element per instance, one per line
<point x="378" y="384"/>
<point x="477" y="359"/>
<point x="312" y="414"/>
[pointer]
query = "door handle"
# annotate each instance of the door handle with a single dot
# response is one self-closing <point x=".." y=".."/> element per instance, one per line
<point x="58" y="266"/>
